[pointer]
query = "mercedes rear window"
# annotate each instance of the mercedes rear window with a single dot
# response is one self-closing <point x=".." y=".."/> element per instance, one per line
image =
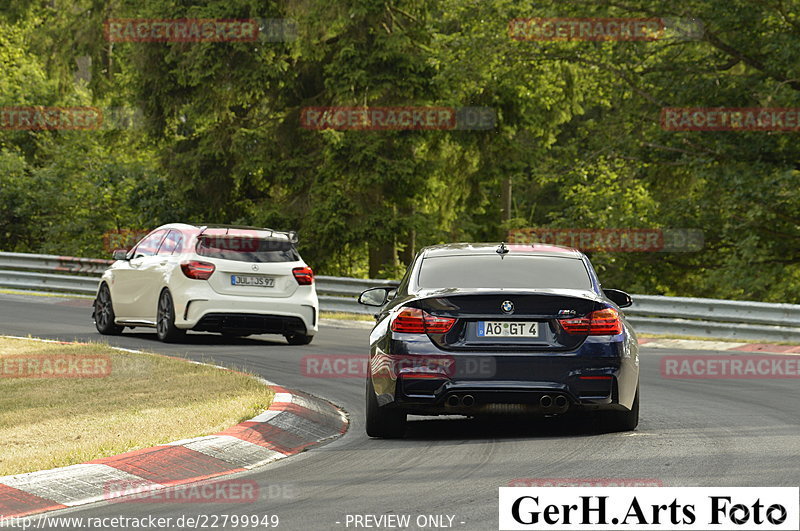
<point x="246" y="249"/>
<point x="512" y="271"/>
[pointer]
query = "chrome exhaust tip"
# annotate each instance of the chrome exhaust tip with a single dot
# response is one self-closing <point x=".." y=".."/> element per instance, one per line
<point x="546" y="401"/>
<point x="561" y="401"/>
<point x="452" y="401"/>
<point x="468" y="400"/>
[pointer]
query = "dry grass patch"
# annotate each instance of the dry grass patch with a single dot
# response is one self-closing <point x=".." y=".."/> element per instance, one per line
<point x="723" y="339"/>
<point x="145" y="400"/>
<point x="343" y="316"/>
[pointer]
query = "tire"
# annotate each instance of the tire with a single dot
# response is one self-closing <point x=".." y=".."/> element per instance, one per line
<point x="298" y="339"/>
<point x="104" y="313"/>
<point x="165" y="320"/>
<point x="383" y="423"/>
<point x="622" y="420"/>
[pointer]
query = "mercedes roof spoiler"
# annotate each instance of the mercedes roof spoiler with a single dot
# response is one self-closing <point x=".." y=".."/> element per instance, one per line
<point x="291" y="235"/>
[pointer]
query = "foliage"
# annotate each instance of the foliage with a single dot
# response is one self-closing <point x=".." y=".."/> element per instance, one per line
<point x="577" y="141"/>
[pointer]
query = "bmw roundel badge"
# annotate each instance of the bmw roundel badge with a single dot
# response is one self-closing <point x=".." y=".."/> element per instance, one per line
<point x="507" y="306"/>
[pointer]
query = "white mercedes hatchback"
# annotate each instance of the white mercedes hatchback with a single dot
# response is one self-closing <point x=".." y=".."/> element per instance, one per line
<point x="233" y="280"/>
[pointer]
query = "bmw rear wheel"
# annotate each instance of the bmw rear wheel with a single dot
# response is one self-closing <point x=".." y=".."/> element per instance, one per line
<point x="622" y="420"/>
<point x="382" y="422"/>
<point x="165" y="320"/>
<point x="104" y="313"/>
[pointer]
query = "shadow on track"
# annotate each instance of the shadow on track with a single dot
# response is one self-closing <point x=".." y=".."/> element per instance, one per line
<point x="508" y="427"/>
<point x="199" y="338"/>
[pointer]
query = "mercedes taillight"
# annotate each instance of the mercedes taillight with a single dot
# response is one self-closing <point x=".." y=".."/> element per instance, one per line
<point x="197" y="270"/>
<point x="303" y="275"/>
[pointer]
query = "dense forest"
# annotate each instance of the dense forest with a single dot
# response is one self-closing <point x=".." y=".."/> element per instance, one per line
<point x="213" y="131"/>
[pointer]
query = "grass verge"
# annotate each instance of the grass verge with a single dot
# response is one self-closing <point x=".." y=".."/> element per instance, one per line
<point x="142" y="401"/>
<point x="715" y="339"/>
<point x="60" y="295"/>
<point x="346" y="316"/>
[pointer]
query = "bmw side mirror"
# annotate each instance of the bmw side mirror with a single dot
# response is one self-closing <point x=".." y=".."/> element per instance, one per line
<point x="120" y="254"/>
<point x="375" y="296"/>
<point x="618" y="297"/>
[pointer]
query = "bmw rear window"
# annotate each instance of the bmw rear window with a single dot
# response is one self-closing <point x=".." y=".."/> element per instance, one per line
<point x="246" y="249"/>
<point x="484" y="271"/>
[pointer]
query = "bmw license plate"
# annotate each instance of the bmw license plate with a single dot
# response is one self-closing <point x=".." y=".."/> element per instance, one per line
<point x="249" y="280"/>
<point x="508" y="329"/>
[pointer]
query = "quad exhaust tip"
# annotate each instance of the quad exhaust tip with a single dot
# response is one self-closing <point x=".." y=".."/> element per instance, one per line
<point x="559" y="402"/>
<point x="455" y="401"/>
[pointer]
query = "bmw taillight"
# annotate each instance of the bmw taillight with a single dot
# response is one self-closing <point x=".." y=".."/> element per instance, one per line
<point x="303" y="275"/>
<point x="437" y="325"/>
<point x="416" y="321"/>
<point x="197" y="270"/>
<point x="409" y="320"/>
<point x="603" y="322"/>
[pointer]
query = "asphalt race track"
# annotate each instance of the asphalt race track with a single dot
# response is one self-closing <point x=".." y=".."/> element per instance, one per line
<point x="692" y="433"/>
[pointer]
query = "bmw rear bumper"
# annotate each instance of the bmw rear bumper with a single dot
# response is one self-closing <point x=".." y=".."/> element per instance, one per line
<point x="471" y="398"/>
<point x="600" y="374"/>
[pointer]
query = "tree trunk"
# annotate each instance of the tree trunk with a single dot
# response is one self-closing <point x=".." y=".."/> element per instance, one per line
<point x="410" y="249"/>
<point x="381" y="255"/>
<point x="505" y="207"/>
